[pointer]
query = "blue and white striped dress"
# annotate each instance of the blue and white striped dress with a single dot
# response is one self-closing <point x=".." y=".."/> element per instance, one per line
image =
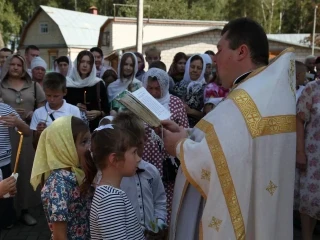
<point x="112" y="216"/>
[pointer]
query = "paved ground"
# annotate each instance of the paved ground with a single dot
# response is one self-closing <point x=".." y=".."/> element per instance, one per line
<point x="23" y="232"/>
<point x="41" y="230"/>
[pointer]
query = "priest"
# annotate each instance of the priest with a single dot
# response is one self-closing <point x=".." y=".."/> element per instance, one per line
<point x="236" y="179"/>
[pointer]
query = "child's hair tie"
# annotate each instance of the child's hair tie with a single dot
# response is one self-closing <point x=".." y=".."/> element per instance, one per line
<point x="108" y="126"/>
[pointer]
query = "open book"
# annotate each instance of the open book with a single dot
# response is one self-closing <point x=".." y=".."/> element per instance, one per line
<point x="141" y="103"/>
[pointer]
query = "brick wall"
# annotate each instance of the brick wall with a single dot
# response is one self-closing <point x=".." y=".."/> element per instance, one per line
<point x="190" y="45"/>
<point x="208" y="41"/>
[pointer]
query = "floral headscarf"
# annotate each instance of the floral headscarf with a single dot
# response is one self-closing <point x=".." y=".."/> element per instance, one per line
<point x="164" y="82"/>
<point x="56" y="150"/>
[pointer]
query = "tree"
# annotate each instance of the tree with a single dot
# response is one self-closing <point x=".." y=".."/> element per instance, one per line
<point x="10" y="22"/>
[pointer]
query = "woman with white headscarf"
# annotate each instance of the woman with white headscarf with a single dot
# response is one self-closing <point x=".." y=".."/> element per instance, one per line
<point x="156" y="81"/>
<point x="86" y="91"/>
<point x="208" y="63"/>
<point x="190" y="89"/>
<point x="127" y="70"/>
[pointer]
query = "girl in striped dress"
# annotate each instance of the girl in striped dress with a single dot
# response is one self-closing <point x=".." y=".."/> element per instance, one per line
<point x="115" y="153"/>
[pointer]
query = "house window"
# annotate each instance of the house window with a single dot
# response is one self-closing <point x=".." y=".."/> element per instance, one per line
<point x="106" y="39"/>
<point x="43" y="27"/>
<point x="53" y="53"/>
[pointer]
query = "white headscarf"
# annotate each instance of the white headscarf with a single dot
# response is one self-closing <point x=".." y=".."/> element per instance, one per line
<point x="198" y="82"/>
<point x="76" y="81"/>
<point x="38" y="62"/>
<point x="164" y="82"/>
<point x="70" y="65"/>
<point x="207" y="59"/>
<point x="117" y="87"/>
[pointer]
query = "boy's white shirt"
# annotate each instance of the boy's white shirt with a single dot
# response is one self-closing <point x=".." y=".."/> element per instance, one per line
<point x="42" y="114"/>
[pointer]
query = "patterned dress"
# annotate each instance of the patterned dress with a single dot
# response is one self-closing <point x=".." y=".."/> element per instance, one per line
<point x="307" y="200"/>
<point x="153" y="149"/>
<point x="62" y="202"/>
<point x="117" y="106"/>
<point x="194" y="98"/>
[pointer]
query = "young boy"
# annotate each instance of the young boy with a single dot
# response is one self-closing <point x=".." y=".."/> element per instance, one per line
<point x="9" y="118"/>
<point x="152" y="54"/>
<point x="145" y="189"/>
<point x="301" y="75"/>
<point x="55" y="88"/>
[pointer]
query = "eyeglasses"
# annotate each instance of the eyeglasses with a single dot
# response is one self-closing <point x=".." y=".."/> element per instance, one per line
<point x="18" y="98"/>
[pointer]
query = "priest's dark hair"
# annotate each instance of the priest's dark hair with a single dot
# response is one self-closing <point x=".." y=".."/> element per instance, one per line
<point x="247" y="31"/>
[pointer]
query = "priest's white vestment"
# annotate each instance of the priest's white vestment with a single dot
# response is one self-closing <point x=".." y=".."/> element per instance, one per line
<point x="242" y="161"/>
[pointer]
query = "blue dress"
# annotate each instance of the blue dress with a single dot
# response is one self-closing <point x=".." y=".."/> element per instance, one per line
<point x="62" y="202"/>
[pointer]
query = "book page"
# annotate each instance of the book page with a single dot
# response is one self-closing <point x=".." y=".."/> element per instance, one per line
<point x="152" y="104"/>
<point x="134" y="105"/>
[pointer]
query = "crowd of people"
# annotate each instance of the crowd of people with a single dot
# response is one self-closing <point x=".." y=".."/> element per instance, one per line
<point x="102" y="173"/>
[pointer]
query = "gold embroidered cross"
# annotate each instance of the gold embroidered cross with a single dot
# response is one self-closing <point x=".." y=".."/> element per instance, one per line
<point x="242" y="99"/>
<point x="253" y="117"/>
<point x="205" y="174"/>
<point x="215" y="223"/>
<point x="271" y="188"/>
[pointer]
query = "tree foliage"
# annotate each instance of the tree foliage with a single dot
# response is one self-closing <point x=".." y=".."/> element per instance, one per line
<point x="10" y="22"/>
<point x="276" y="16"/>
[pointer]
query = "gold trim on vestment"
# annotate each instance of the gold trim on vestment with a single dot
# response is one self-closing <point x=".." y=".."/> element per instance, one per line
<point x="203" y="125"/>
<point x="188" y="176"/>
<point x="259" y="70"/>
<point x="258" y="125"/>
<point x="184" y="190"/>
<point x="225" y="179"/>
<point x="200" y="231"/>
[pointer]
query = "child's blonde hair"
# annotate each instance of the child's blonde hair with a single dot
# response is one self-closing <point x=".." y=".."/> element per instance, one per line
<point x="152" y="49"/>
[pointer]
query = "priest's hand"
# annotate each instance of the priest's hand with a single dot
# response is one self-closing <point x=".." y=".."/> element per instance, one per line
<point x="171" y="139"/>
<point x="170" y="125"/>
<point x="301" y="161"/>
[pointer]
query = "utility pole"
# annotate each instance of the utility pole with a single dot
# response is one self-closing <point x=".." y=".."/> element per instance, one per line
<point x="105" y="7"/>
<point x="75" y="5"/>
<point x="139" y="26"/>
<point x="314" y="27"/>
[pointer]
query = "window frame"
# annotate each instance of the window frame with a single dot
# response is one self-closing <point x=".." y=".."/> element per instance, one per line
<point x="42" y="26"/>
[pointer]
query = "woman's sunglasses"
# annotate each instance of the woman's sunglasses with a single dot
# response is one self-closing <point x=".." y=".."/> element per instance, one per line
<point x="18" y="98"/>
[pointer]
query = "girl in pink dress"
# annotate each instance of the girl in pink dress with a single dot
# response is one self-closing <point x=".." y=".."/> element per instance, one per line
<point x="156" y="81"/>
